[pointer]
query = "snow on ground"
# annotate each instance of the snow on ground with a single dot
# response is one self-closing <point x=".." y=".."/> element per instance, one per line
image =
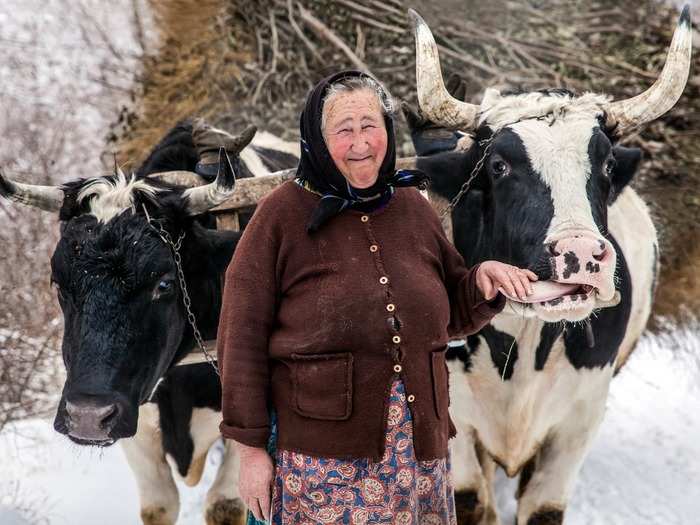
<point x="643" y="468"/>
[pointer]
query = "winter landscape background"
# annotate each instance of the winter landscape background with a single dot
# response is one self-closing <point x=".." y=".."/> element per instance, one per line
<point x="67" y="69"/>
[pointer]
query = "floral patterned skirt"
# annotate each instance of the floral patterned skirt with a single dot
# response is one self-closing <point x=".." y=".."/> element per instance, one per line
<point x="399" y="489"/>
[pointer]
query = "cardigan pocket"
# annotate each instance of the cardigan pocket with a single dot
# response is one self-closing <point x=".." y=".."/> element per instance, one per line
<point x="438" y="367"/>
<point x="322" y="385"/>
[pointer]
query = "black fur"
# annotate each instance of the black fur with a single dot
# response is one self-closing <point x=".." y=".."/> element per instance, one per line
<point x="548" y="336"/>
<point x="183" y="389"/>
<point x="6" y="189"/>
<point x="609" y="325"/>
<point x="547" y="517"/>
<point x="175" y="151"/>
<point x="504" y="350"/>
<point x="276" y="160"/>
<point x="463" y="353"/>
<point x="124" y="320"/>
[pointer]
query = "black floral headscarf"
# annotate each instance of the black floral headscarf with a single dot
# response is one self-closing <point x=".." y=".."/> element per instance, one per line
<point x="318" y="171"/>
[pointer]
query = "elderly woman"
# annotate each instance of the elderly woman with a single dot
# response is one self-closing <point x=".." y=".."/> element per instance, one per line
<point x="338" y="305"/>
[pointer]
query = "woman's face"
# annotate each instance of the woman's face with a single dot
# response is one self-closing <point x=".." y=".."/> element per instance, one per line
<point x="356" y="135"/>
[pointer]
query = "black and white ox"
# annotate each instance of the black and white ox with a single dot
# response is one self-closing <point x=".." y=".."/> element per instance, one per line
<point x="126" y="327"/>
<point x="552" y="195"/>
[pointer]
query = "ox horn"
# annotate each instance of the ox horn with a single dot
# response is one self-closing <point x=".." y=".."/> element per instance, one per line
<point x="204" y="198"/>
<point x="47" y="198"/>
<point x="665" y="92"/>
<point x="433" y="98"/>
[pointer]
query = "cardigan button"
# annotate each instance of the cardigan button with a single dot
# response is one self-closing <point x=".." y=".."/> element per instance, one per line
<point x="373" y="248"/>
<point x="396" y="339"/>
<point x="397" y="368"/>
<point x="364" y="218"/>
<point x="383" y="280"/>
<point x="411" y="398"/>
<point x="390" y="307"/>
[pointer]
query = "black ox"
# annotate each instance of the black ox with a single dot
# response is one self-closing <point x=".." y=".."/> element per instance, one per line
<point x="125" y="324"/>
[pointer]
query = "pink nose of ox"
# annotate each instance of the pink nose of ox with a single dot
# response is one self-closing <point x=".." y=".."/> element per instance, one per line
<point x="579" y="257"/>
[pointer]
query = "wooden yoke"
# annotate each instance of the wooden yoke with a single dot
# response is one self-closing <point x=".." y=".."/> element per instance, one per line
<point x="250" y="190"/>
<point x="246" y="195"/>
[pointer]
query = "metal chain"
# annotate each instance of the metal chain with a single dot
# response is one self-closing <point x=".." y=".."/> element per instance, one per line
<point x="465" y="187"/>
<point x="175" y="247"/>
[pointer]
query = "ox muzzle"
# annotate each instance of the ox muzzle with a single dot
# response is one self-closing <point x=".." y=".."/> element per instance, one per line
<point x="581" y="268"/>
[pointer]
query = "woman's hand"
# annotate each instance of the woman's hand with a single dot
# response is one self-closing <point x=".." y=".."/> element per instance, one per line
<point x="255" y="476"/>
<point x="492" y="275"/>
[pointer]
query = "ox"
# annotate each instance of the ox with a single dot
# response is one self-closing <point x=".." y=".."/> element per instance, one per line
<point x="549" y="192"/>
<point x="125" y="325"/>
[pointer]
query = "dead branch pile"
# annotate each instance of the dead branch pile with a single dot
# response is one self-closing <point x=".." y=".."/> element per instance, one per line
<point x="238" y="63"/>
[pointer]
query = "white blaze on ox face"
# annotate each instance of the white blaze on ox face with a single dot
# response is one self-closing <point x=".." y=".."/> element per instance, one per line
<point x="556" y="131"/>
<point x="111" y="196"/>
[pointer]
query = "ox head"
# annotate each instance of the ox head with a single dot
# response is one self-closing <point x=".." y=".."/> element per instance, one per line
<point x="547" y="169"/>
<point x="117" y="284"/>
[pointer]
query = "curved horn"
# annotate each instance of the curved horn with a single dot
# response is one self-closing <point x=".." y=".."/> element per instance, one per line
<point x="47" y="198"/>
<point x="204" y="198"/>
<point x="667" y="89"/>
<point x="435" y="101"/>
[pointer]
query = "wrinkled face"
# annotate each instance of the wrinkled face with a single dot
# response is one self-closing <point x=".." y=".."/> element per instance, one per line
<point x="356" y="135"/>
<point x="547" y="188"/>
<point x="116" y="284"/>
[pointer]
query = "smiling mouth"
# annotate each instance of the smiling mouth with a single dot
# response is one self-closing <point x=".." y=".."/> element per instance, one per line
<point x="360" y="160"/>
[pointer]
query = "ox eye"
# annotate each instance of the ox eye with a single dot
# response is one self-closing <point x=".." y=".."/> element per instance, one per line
<point x="165" y="285"/>
<point x="500" y="168"/>
<point x="164" y="288"/>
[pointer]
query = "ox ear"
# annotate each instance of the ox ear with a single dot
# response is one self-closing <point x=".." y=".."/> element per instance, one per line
<point x="449" y="170"/>
<point x="414" y="118"/>
<point x="457" y="87"/>
<point x="626" y="164"/>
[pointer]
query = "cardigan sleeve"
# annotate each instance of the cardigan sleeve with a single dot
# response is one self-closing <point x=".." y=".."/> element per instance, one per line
<point x="469" y="310"/>
<point x="247" y="316"/>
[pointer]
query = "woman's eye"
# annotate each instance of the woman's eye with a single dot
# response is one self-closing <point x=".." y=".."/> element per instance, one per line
<point x="344" y="131"/>
<point x="165" y="285"/>
<point x="368" y="126"/>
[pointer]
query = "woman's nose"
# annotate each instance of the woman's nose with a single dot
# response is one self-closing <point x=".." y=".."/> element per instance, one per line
<point x="359" y="143"/>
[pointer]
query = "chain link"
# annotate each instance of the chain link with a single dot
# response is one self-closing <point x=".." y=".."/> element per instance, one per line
<point x="465" y="187"/>
<point x="175" y="247"/>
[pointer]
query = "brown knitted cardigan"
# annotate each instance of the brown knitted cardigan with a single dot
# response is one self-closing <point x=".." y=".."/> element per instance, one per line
<point x="320" y="325"/>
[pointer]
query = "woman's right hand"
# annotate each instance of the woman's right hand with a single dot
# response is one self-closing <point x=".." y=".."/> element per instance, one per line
<point x="255" y="476"/>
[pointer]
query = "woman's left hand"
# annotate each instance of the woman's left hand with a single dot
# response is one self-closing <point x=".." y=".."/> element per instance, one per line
<point x="492" y="275"/>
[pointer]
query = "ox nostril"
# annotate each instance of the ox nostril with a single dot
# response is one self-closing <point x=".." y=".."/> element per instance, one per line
<point x="552" y="249"/>
<point x="602" y="255"/>
<point x="108" y="416"/>
<point x="90" y="415"/>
